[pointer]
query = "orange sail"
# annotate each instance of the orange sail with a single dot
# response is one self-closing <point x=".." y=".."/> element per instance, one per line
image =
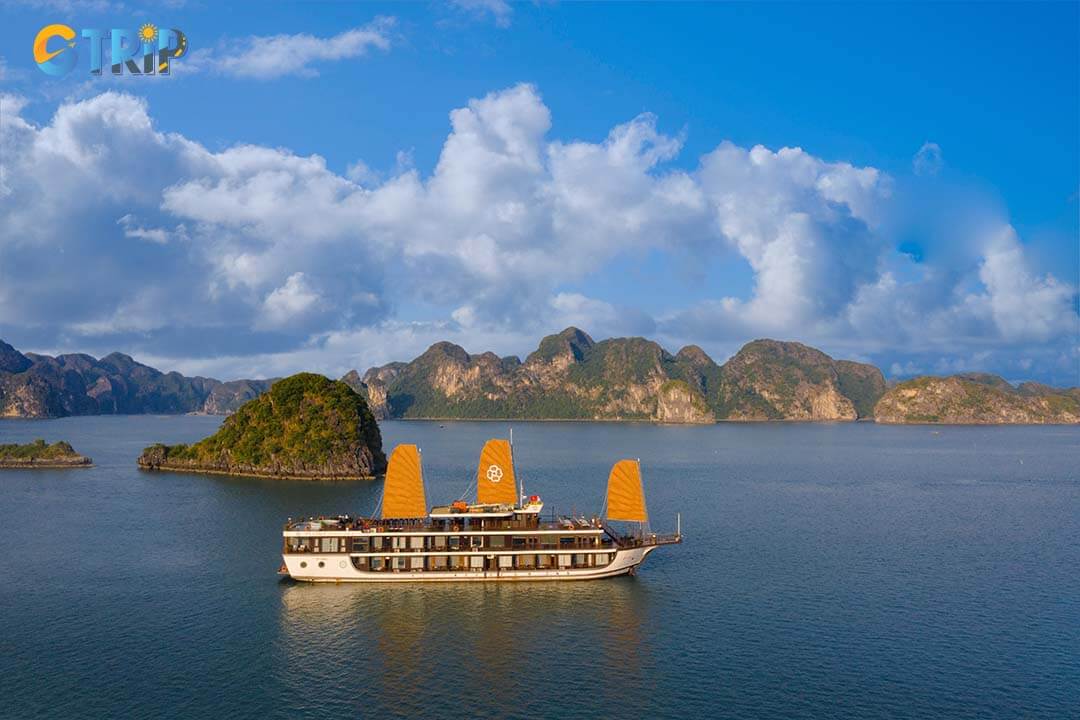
<point x="625" y="496"/>
<point x="403" y="489"/>
<point x="495" y="482"/>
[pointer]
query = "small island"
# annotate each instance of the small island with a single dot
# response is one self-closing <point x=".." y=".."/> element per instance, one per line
<point x="977" y="399"/>
<point x="306" y="427"/>
<point x="39" y="454"/>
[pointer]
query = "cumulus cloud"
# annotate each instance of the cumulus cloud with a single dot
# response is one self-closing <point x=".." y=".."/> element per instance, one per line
<point x="805" y="226"/>
<point x="273" y="56"/>
<point x="290" y="303"/>
<point x="1025" y="308"/>
<point x="254" y="260"/>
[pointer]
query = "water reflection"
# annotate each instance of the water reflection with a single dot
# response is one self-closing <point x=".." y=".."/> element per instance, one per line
<point x="409" y="649"/>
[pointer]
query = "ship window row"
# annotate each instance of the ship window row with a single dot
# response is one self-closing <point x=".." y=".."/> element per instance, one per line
<point x="480" y="563"/>
<point x="442" y="542"/>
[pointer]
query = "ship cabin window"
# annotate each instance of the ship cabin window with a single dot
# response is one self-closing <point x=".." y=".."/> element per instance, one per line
<point x="477" y="541"/>
<point x="400" y="543"/>
<point x="440" y="541"/>
<point x="567" y="541"/>
<point x="506" y="561"/>
<point x="564" y="561"/>
<point x="457" y="562"/>
<point x="545" y="561"/>
<point x="601" y="559"/>
<point x="377" y="563"/>
<point x="455" y="542"/>
<point x="526" y="561"/>
<point x="438" y="562"/>
<point x="498" y="541"/>
<point x="476" y="562"/>
<point x="416" y="542"/>
<point x="517" y="543"/>
<point x="295" y="544"/>
<point x="359" y="544"/>
<point x="416" y="563"/>
<point x="399" y="563"/>
<point x="329" y="544"/>
<point x="360" y="563"/>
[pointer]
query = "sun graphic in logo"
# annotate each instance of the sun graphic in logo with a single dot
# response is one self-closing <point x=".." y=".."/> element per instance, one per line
<point x="148" y="33"/>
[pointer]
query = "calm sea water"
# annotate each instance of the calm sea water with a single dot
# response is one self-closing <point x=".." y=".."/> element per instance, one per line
<point x="829" y="571"/>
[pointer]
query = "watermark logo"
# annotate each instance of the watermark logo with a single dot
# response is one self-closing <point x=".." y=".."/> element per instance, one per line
<point x="149" y="50"/>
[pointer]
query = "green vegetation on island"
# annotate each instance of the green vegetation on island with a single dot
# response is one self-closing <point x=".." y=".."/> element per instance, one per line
<point x="39" y="454"/>
<point x="570" y="376"/>
<point x="306" y="426"/>
<point x="977" y="399"/>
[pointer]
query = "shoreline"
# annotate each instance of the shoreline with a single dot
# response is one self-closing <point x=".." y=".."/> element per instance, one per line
<point x="45" y="465"/>
<point x="258" y="476"/>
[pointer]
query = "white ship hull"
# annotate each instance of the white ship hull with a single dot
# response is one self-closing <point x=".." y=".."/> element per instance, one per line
<point x="339" y="568"/>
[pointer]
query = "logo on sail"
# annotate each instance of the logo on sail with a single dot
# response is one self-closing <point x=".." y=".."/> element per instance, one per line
<point x="494" y="473"/>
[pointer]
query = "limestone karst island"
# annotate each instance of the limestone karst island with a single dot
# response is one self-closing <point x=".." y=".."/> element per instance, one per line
<point x="40" y="454"/>
<point x="305" y="427"/>
<point x="568" y="377"/>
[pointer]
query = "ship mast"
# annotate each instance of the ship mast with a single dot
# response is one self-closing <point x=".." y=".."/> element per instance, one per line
<point x="513" y="464"/>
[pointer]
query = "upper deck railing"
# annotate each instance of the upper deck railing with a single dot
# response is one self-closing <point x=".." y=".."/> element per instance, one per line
<point x="347" y="522"/>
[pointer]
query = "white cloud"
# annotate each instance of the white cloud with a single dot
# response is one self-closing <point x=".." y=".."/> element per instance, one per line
<point x="499" y="10"/>
<point x="273" y="56"/>
<point x="256" y="255"/>
<point x="1024" y="307"/>
<point x="132" y="229"/>
<point x="928" y="160"/>
<point x="361" y="174"/>
<point x="289" y="303"/>
<point x="806" y="228"/>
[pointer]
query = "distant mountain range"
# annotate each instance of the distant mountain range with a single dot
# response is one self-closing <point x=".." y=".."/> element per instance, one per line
<point x="568" y="377"/>
<point x="38" y="386"/>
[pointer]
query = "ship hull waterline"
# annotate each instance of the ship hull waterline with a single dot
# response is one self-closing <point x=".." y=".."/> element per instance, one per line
<point x="339" y="569"/>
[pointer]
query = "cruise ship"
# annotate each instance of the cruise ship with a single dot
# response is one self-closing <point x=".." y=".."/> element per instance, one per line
<point x="503" y="536"/>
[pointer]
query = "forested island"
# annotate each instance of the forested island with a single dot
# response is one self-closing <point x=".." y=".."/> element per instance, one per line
<point x="39" y="454"/>
<point x="305" y="427"/>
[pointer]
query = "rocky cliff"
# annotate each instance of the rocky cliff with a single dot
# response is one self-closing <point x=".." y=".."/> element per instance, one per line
<point x="305" y="427"/>
<point x="38" y="386"/>
<point x="771" y="380"/>
<point x="977" y="399"/>
<point x="570" y="376"/>
<point x="227" y="397"/>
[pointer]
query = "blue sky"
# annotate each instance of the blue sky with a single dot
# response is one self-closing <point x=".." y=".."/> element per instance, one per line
<point x="298" y="195"/>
